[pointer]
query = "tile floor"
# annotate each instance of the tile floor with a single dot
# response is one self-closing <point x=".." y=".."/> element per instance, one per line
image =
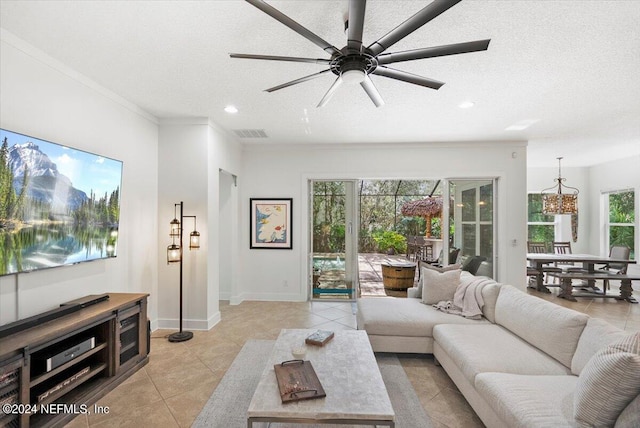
<point x="171" y="390"/>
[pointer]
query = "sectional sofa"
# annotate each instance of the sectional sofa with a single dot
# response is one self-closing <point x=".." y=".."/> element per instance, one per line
<point x="527" y="363"/>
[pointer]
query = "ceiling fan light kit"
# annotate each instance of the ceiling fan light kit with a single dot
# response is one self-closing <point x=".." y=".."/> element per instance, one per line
<point x="351" y="77"/>
<point x="355" y="63"/>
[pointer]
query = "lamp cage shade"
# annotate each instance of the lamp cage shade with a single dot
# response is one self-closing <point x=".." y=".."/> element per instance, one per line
<point x="175" y="227"/>
<point x="194" y="240"/>
<point x="173" y="253"/>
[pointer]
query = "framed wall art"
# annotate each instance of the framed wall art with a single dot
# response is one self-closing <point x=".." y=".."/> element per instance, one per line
<point x="271" y="223"/>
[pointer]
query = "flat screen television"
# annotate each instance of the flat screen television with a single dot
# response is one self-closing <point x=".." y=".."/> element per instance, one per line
<point x="58" y="205"/>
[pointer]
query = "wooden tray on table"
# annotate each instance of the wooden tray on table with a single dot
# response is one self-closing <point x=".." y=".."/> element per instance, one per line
<point x="297" y="380"/>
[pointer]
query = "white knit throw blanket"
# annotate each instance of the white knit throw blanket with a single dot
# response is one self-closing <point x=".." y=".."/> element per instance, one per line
<point x="467" y="300"/>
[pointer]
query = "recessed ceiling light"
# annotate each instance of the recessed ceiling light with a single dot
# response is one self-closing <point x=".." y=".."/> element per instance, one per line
<point x="523" y="124"/>
<point x="466" y="104"/>
<point x="231" y="109"/>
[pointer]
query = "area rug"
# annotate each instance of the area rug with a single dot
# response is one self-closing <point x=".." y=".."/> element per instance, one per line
<point x="227" y="406"/>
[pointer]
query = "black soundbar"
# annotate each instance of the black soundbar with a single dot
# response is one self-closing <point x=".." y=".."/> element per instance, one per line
<point x="89" y="300"/>
<point x="64" y="309"/>
<point x="23" y="324"/>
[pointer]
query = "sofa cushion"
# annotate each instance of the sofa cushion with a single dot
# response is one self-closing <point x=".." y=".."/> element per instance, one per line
<point x="596" y="335"/>
<point x="546" y="325"/>
<point x="630" y="416"/>
<point x="529" y="401"/>
<point x="490" y="348"/>
<point x="438" y="286"/>
<point x="608" y="382"/>
<point x="390" y="316"/>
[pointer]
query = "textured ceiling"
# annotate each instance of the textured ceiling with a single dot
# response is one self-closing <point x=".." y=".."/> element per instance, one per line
<point x="569" y="68"/>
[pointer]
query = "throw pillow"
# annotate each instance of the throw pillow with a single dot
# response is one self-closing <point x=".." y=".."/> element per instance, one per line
<point x="608" y="383"/>
<point x="424" y="265"/>
<point x="438" y="286"/>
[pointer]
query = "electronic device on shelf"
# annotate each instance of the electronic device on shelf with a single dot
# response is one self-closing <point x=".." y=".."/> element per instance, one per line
<point x="89" y="300"/>
<point x="59" y="354"/>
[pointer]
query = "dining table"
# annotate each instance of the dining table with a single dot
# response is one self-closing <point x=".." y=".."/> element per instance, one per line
<point x="587" y="269"/>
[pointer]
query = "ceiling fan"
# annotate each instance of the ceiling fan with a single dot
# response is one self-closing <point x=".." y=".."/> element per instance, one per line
<point x="355" y="62"/>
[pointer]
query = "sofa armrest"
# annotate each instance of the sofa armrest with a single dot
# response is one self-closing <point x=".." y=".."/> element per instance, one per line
<point x="413" y="292"/>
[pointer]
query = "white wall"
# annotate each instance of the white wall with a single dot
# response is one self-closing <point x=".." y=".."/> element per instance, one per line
<point x="191" y="153"/>
<point x="182" y="162"/>
<point x="282" y="172"/>
<point x="42" y="98"/>
<point x="228" y="211"/>
<point x="225" y="153"/>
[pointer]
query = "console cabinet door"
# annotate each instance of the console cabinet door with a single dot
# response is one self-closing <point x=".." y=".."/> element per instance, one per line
<point x="131" y="336"/>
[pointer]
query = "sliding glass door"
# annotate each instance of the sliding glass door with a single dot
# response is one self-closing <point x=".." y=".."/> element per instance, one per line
<point x="333" y="260"/>
<point x="471" y="222"/>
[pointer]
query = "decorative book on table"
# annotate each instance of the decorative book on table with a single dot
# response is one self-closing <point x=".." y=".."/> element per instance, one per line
<point x="319" y="337"/>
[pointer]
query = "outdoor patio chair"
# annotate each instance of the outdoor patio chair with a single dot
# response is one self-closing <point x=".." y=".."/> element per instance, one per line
<point x="411" y="245"/>
<point x="472" y="264"/>
<point x="453" y="259"/>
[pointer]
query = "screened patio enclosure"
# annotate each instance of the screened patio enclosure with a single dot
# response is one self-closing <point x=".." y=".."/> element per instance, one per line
<point x="346" y="215"/>
<point x="349" y="217"/>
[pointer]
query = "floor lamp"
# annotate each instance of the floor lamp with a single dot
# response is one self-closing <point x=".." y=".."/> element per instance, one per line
<point x="174" y="255"/>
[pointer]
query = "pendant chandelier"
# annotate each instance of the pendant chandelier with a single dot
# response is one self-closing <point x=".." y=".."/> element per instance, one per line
<point x="559" y="202"/>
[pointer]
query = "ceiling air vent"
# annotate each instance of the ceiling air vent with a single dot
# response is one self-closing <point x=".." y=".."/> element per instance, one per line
<point x="250" y="133"/>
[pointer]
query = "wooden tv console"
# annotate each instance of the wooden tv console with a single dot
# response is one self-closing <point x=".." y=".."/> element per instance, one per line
<point x="55" y="371"/>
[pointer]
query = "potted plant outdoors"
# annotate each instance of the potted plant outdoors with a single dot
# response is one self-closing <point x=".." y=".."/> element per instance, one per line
<point x="390" y="242"/>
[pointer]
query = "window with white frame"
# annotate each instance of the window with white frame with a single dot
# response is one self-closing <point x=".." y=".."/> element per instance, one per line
<point x="540" y="227"/>
<point x="620" y="217"/>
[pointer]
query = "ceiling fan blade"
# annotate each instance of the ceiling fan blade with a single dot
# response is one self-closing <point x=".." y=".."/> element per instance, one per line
<point x="330" y="92"/>
<point x="423" y="16"/>
<point x="356" y="23"/>
<point x="295" y="82"/>
<point x="282" y="58"/>
<point x="304" y="32"/>
<point x="372" y="91"/>
<point x="407" y="77"/>
<point x="435" y="51"/>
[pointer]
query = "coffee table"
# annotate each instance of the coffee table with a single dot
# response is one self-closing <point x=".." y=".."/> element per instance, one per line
<point x="348" y="372"/>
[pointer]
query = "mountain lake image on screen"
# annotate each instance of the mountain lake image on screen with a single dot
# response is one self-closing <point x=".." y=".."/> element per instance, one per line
<point x="58" y="205"/>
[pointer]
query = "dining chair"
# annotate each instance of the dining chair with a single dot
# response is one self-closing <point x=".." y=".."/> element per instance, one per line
<point x="560" y="247"/>
<point x="564" y="247"/>
<point x="621" y="252"/>
<point x="537" y="247"/>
